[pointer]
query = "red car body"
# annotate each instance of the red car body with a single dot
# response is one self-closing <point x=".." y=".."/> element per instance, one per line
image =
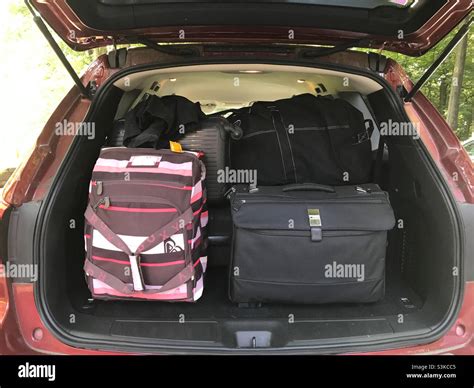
<point x="21" y="328"/>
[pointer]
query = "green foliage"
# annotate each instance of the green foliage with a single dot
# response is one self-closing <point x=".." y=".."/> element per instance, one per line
<point x="33" y="78"/>
<point x="79" y="60"/>
<point x="437" y="89"/>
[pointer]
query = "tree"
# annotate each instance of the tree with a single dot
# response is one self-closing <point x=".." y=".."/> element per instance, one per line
<point x="443" y="93"/>
<point x="456" y="86"/>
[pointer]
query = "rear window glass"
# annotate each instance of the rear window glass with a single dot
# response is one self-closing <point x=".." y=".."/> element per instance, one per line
<point x="367" y="4"/>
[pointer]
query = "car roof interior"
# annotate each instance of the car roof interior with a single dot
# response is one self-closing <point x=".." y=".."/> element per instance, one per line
<point x="221" y="87"/>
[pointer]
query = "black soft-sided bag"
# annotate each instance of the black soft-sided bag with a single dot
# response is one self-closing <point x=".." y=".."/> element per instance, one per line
<point x="309" y="244"/>
<point x="155" y="121"/>
<point x="303" y="139"/>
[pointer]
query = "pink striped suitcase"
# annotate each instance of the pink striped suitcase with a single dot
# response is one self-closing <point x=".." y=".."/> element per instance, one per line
<point x="145" y="225"/>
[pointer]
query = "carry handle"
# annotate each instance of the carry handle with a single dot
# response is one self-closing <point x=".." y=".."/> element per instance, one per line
<point x="308" y="187"/>
<point x="234" y="131"/>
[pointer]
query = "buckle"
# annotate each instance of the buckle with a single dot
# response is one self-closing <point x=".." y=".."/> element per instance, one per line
<point x="136" y="274"/>
<point x="363" y="136"/>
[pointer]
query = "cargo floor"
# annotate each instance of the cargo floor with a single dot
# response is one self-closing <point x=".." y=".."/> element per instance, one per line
<point x="152" y="320"/>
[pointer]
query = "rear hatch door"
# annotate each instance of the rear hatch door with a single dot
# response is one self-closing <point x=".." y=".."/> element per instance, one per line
<point x="407" y="26"/>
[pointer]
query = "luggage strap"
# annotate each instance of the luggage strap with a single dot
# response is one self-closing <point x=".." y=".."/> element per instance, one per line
<point x="151" y="241"/>
<point x="379" y="160"/>
<point x="98" y="273"/>
<point x="287" y="159"/>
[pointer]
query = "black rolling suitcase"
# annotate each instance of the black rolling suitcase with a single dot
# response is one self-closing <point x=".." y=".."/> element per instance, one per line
<point x="117" y="134"/>
<point x="213" y="138"/>
<point x="309" y="243"/>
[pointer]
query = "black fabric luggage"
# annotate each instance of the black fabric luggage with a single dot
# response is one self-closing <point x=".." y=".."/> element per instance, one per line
<point x="303" y="139"/>
<point x="155" y="121"/>
<point x="309" y="243"/>
<point x="212" y="138"/>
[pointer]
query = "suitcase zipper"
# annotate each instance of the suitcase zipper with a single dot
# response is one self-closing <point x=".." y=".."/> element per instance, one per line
<point x="150" y="151"/>
<point x="101" y="185"/>
<point x="362" y="197"/>
<point x="135" y="181"/>
<point x="307" y="233"/>
<point x="236" y="206"/>
<point x="106" y="201"/>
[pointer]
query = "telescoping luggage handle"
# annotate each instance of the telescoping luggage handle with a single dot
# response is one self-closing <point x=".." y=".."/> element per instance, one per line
<point x="151" y="241"/>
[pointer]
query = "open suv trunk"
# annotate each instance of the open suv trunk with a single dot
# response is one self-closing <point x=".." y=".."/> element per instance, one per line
<point x="421" y="296"/>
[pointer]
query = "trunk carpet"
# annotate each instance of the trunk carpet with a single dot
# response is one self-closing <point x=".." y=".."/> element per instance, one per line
<point x="215" y="305"/>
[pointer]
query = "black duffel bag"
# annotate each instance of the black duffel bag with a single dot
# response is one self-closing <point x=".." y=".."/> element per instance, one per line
<point x="303" y="139"/>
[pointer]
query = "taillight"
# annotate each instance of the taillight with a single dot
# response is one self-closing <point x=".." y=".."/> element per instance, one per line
<point x="4" y="299"/>
<point x="21" y="184"/>
<point x="8" y="193"/>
